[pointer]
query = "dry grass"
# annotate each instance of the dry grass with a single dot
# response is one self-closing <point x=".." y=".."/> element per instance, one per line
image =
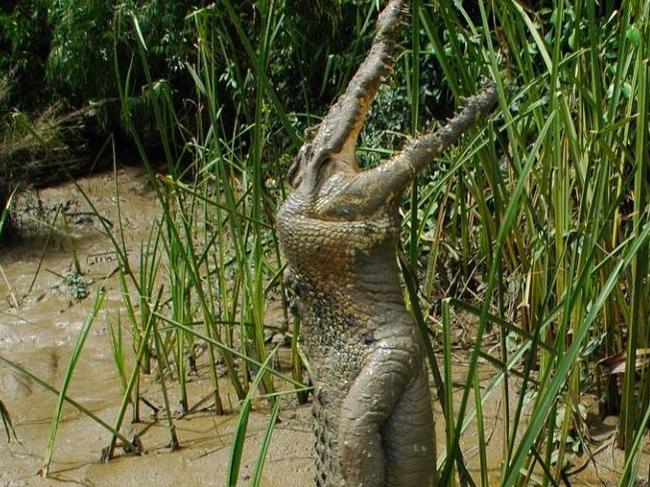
<point x="43" y="149"/>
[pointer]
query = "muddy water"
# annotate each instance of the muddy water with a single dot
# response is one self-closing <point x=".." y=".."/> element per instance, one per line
<point x="38" y="330"/>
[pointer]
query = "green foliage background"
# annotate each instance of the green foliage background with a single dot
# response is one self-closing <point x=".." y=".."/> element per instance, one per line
<point x="54" y="50"/>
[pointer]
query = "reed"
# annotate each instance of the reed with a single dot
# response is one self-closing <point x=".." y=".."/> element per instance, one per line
<point x="548" y="205"/>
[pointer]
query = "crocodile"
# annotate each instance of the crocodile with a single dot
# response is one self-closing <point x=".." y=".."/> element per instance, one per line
<point x="339" y="232"/>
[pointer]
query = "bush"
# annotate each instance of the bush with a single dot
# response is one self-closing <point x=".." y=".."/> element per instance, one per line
<point x="25" y="38"/>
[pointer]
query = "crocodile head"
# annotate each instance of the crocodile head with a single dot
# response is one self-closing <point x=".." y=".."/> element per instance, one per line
<point x="325" y="170"/>
<point x="330" y="147"/>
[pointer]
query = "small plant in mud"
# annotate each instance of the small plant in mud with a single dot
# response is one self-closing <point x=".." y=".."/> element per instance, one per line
<point x="6" y="421"/>
<point x="75" y="285"/>
<point x="5" y="203"/>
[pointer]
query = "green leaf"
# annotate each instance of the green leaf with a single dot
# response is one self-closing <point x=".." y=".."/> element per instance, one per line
<point x="633" y="35"/>
<point x="626" y="90"/>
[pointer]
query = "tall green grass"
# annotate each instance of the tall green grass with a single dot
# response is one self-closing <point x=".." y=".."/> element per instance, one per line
<point x="4" y="413"/>
<point x="550" y="205"/>
<point x="535" y="225"/>
<point x="212" y="255"/>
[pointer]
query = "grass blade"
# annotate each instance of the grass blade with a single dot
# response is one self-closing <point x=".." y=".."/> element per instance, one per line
<point x="74" y="357"/>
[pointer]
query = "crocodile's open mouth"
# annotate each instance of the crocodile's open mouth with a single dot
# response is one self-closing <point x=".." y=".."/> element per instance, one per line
<point x="335" y="140"/>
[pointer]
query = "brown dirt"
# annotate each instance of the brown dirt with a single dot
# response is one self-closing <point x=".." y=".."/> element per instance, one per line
<point x="39" y="329"/>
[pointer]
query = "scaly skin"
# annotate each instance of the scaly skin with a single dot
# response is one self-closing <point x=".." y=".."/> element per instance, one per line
<point x="339" y="230"/>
